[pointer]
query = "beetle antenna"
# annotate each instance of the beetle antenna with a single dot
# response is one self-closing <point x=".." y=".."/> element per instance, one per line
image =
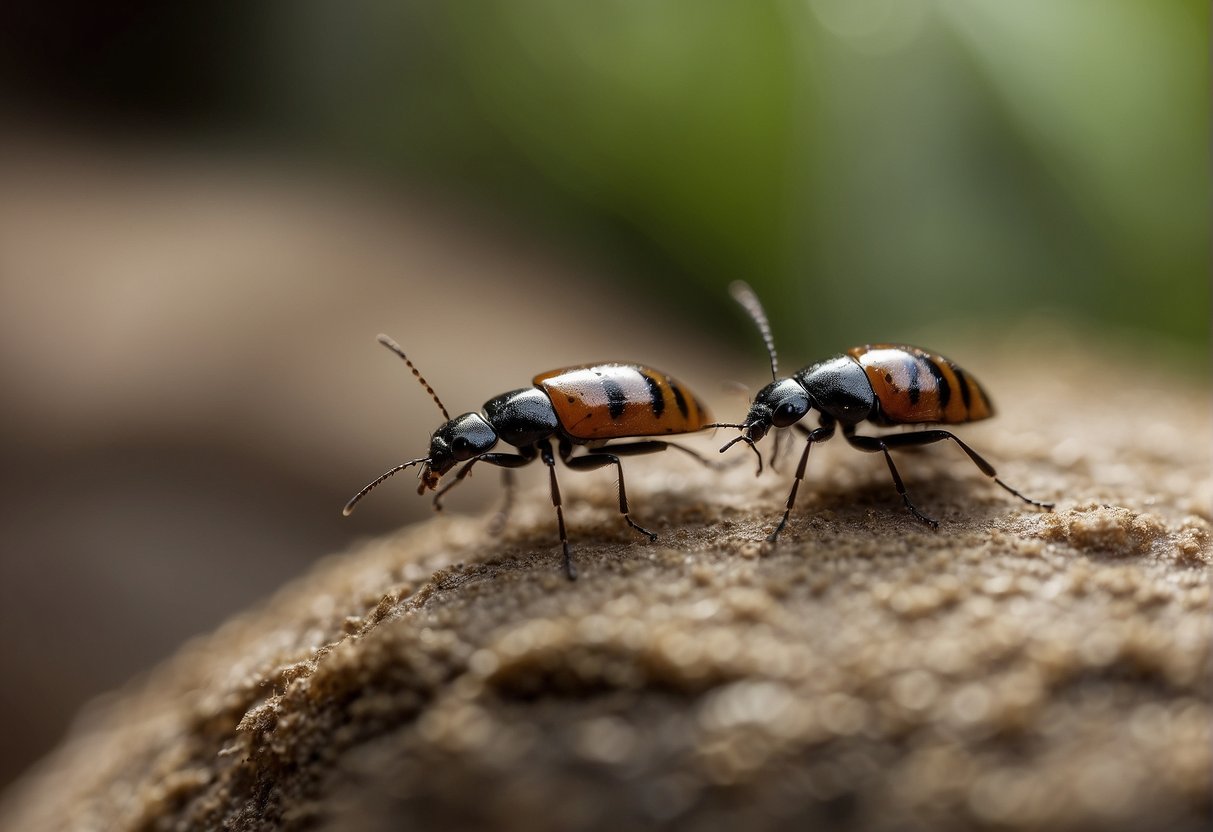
<point x="748" y="441"/>
<point x="345" y="512"/>
<point x="744" y="295"/>
<point x="394" y="347"/>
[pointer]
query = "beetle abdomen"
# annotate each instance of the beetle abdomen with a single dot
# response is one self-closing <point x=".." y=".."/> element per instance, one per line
<point x="916" y="386"/>
<point x="611" y="401"/>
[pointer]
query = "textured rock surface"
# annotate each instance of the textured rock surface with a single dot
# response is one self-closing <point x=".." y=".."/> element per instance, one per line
<point x="1014" y="670"/>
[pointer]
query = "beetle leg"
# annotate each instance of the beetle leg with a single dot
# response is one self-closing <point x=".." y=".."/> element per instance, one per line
<point x="928" y="437"/>
<point x="877" y="444"/>
<point x="779" y="446"/>
<point x="497" y="524"/>
<point x="600" y="459"/>
<point x="652" y="446"/>
<point x="459" y="477"/>
<point x="505" y="462"/>
<point x="819" y="435"/>
<point x="545" y="453"/>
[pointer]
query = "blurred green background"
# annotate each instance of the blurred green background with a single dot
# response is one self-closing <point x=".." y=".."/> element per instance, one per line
<point x="870" y="165"/>
<point x="208" y="209"/>
<point x="873" y="167"/>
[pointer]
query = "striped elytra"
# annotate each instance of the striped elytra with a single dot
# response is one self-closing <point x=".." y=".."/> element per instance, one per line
<point x="612" y="401"/>
<point x="915" y="386"/>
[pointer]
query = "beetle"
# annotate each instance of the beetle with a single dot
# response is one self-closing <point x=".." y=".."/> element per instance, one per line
<point x="885" y="384"/>
<point x="587" y="404"/>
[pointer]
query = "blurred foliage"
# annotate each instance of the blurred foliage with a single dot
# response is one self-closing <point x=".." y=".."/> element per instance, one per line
<point x="877" y="168"/>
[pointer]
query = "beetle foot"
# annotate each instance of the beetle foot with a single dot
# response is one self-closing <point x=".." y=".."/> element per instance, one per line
<point x="922" y="518"/>
<point x="652" y="537"/>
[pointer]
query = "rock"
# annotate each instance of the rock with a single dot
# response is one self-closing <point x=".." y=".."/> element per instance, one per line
<point x="1014" y="670"/>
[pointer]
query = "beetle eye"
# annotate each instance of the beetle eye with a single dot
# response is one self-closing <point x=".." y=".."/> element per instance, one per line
<point x="787" y="413"/>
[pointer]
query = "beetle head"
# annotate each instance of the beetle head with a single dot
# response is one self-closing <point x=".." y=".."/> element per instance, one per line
<point x="780" y="404"/>
<point x="458" y="440"/>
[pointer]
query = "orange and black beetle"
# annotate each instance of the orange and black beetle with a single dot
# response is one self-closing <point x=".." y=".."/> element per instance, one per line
<point x="887" y="384"/>
<point x="582" y="405"/>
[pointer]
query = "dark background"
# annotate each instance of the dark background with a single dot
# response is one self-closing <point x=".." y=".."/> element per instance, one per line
<point x="208" y="210"/>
